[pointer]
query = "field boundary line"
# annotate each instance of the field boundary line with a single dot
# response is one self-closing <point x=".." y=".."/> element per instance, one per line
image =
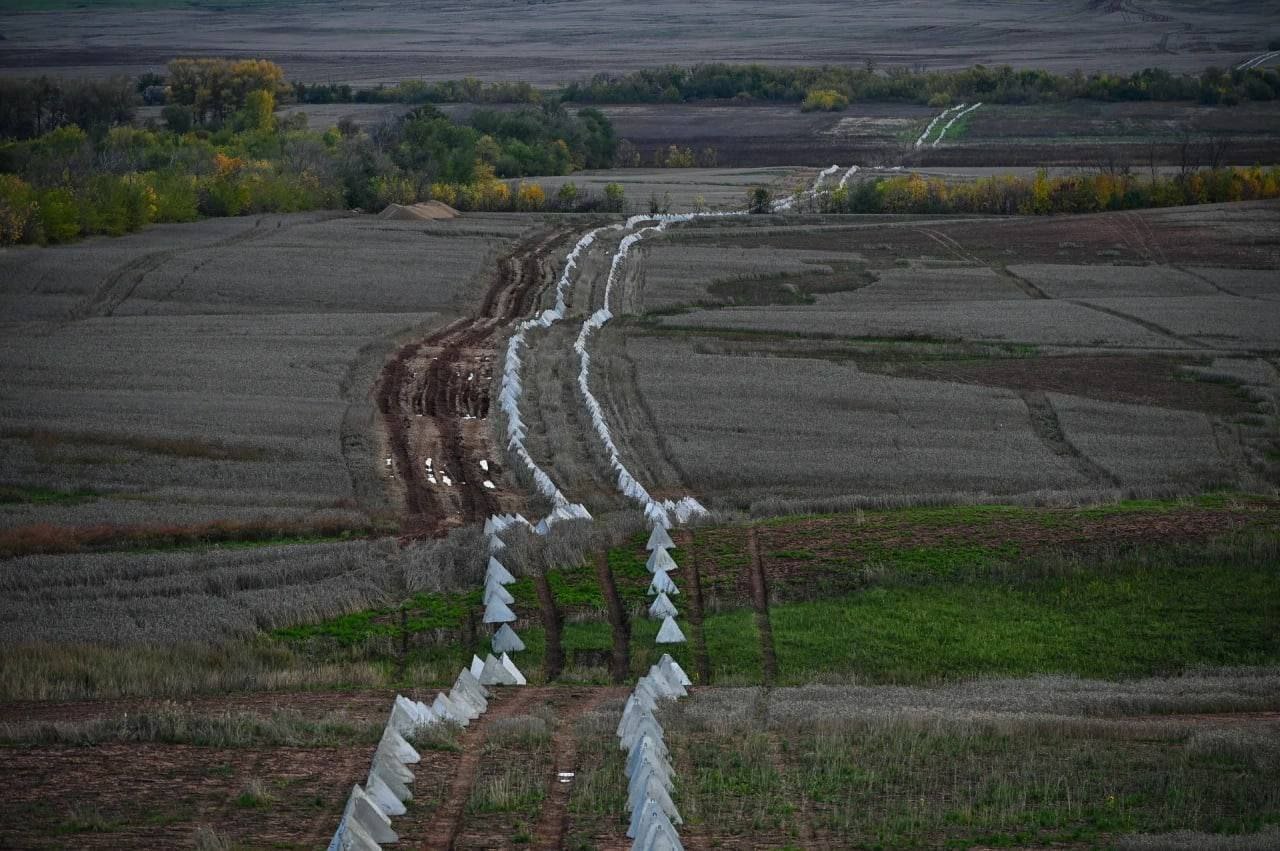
<point x="1047" y="426"/>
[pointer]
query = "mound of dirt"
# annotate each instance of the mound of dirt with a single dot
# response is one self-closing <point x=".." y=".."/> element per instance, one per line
<point x="426" y="210"/>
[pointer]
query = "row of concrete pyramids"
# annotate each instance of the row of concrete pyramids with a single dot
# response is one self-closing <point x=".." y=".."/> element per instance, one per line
<point x="511" y="390"/>
<point x="650" y="777"/>
<point x="366" y="819"/>
<point x="662" y="587"/>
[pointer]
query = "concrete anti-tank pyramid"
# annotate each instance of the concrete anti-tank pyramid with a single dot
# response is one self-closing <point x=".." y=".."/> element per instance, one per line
<point x="660" y="560"/>
<point x="389" y="773"/>
<point x="497" y="572"/>
<point x="671" y="666"/>
<point x="662" y="607"/>
<point x="659" y="539"/>
<point x="662" y="584"/>
<point x="350" y="836"/>
<point x="495" y="674"/>
<point x="394" y="745"/>
<point x="364" y="811"/>
<point x="495" y="591"/>
<point x="496" y="611"/>
<point x="505" y="640"/>
<point x="382" y="795"/>
<point x="513" y="670"/>
<point x="467" y="679"/>
<point x="670" y="633"/>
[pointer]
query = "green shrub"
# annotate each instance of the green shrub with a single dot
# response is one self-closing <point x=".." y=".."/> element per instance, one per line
<point x="59" y="215"/>
<point x="17" y="209"/>
<point x="824" y="100"/>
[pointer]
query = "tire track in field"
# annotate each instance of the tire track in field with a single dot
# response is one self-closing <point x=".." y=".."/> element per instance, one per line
<point x="759" y="587"/>
<point x="553" y="820"/>
<point x="434" y="400"/>
<point x="701" y="660"/>
<point x="619" y="623"/>
<point x="446" y="822"/>
<point x="122" y="282"/>
<point x="1048" y="428"/>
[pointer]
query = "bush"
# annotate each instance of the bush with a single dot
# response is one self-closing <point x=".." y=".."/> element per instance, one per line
<point x="615" y="197"/>
<point x="824" y="100"/>
<point x="177" y="118"/>
<point x="59" y="215"/>
<point x="176" y="198"/>
<point x="17" y="209"/>
<point x="759" y="199"/>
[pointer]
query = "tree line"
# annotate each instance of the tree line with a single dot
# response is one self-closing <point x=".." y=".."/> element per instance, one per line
<point x="824" y="87"/>
<point x="1044" y="194"/>
<point x="221" y="150"/>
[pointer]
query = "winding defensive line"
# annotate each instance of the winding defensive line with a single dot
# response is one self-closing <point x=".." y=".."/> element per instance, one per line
<point x="941" y="115"/>
<point x="953" y="120"/>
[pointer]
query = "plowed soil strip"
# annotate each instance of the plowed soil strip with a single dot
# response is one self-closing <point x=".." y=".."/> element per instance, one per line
<point x="700" y="658"/>
<point x="620" y="654"/>
<point x="553" y="823"/>
<point x="446" y="822"/>
<point x="760" y="600"/>
<point x="434" y="398"/>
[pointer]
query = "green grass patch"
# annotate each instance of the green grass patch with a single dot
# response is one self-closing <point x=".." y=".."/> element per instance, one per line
<point x="1128" y="621"/>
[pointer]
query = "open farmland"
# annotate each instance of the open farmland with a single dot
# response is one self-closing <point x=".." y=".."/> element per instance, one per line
<point x="219" y="371"/>
<point x="932" y="349"/>
<point x="633" y="477"/>
<point x="393" y="39"/>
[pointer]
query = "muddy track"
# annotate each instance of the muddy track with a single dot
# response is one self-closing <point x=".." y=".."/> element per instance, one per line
<point x="434" y="400"/>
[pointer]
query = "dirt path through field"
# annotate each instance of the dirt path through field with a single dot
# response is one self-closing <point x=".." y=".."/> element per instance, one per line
<point x="553" y="822"/>
<point x="446" y="821"/>
<point x="687" y="543"/>
<point x="620" y="653"/>
<point x="434" y="398"/>
<point x="760" y="600"/>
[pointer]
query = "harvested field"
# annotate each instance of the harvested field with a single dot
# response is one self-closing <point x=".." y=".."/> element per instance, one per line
<point x="166" y="597"/>
<point x="219" y="370"/>
<point x="759" y="325"/>
<point x="358" y="45"/>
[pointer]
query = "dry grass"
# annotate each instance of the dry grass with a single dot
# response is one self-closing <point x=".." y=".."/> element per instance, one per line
<point x="177" y="725"/>
<point x="74" y="671"/>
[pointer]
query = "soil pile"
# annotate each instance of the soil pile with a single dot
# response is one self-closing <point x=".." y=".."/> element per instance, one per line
<point x="424" y="211"/>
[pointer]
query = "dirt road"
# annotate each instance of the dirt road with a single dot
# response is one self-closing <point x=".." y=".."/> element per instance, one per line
<point x="434" y="398"/>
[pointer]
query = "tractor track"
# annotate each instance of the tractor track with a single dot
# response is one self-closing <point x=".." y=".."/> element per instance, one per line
<point x="434" y="400"/>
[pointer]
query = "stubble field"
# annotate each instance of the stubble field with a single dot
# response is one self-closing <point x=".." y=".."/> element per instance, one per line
<point x="560" y="41"/>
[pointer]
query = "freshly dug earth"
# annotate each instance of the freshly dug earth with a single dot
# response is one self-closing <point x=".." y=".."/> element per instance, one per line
<point x="434" y="397"/>
<point x="422" y="211"/>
